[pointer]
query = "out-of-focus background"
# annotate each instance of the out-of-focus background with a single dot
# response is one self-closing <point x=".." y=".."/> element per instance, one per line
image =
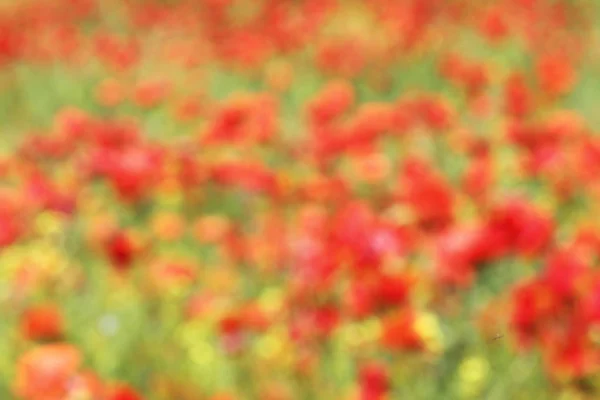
<point x="299" y="199"/>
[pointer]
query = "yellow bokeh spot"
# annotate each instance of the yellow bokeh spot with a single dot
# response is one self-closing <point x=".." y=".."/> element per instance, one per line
<point x="79" y="394"/>
<point x="571" y="394"/>
<point x="192" y="332"/>
<point x="473" y="370"/>
<point x="12" y="257"/>
<point x="271" y="300"/>
<point x="351" y="335"/>
<point x="371" y="329"/>
<point x="546" y="202"/>
<point x="400" y="214"/>
<point x="170" y="195"/>
<point x="594" y="334"/>
<point x="46" y="256"/>
<point x="202" y="354"/>
<point x="48" y="223"/>
<point x="269" y="346"/>
<point x="428" y="327"/>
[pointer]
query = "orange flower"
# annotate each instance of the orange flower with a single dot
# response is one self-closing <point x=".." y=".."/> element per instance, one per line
<point x="493" y="24"/>
<point x="188" y="109"/>
<point x="46" y="372"/>
<point x="556" y="75"/>
<point x="342" y="57"/>
<point x="198" y="305"/>
<point x="399" y="332"/>
<point x="109" y="93"/>
<point x="42" y="322"/>
<point x="151" y="93"/>
<point x="211" y="228"/>
<point x="168" y="226"/>
<point x="279" y="76"/>
<point x="276" y="391"/>
<point x="172" y="274"/>
<point x="372" y="168"/>
<point x="119" y="53"/>
<point x="222" y="396"/>
<point x="88" y="384"/>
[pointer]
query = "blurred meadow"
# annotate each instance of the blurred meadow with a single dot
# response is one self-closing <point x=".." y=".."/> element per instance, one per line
<point x="299" y="199"/>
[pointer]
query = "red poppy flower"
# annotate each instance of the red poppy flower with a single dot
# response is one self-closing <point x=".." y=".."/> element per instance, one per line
<point x="556" y="74"/>
<point x="121" y="250"/>
<point x="331" y="102"/>
<point x="518" y="98"/>
<point x="124" y="392"/>
<point x="374" y="381"/>
<point x="399" y="332"/>
<point x="42" y="322"/>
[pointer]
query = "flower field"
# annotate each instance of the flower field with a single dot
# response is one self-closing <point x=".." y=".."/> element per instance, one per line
<point x="299" y="199"/>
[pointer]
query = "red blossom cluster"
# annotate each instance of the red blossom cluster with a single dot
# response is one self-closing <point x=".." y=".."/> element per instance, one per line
<point x="295" y="199"/>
